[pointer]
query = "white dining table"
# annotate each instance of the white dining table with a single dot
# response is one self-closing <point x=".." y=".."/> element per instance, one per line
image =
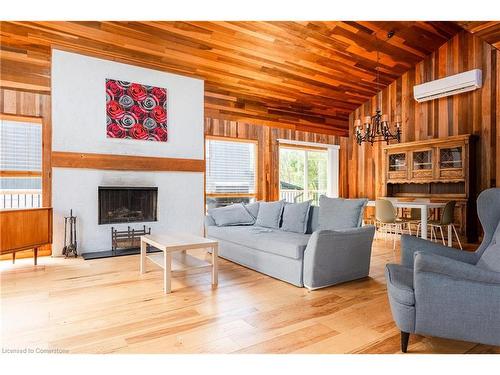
<point x="424" y="209"/>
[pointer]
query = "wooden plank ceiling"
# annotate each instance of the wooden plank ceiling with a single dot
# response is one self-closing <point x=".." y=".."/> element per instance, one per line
<point x="298" y="75"/>
<point x="489" y="31"/>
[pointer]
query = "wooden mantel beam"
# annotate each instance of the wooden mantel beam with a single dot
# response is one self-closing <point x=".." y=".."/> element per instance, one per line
<point x="125" y="162"/>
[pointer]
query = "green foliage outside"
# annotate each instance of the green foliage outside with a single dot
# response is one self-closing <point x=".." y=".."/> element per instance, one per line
<point x="292" y="168"/>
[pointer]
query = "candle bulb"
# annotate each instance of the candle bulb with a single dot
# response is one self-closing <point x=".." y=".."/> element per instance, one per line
<point x="357" y="123"/>
<point x="368" y="119"/>
<point x="398" y="119"/>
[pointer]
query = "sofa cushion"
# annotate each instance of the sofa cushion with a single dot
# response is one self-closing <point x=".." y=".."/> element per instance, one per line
<point x="269" y="214"/>
<point x="253" y="209"/>
<point x="490" y="260"/>
<point x="400" y="284"/>
<point x="287" y="244"/>
<point x="339" y="213"/>
<point x="295" y="217"/>
<point x="234" y="214"/>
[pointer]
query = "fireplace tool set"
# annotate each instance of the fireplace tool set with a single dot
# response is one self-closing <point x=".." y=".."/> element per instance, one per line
<point x="70" y="248"/>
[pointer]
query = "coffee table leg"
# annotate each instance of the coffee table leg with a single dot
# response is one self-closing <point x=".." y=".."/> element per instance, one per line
<point x="167" y="272"/>
<point x="143" y="257"/>
<point x="215" y="271"/>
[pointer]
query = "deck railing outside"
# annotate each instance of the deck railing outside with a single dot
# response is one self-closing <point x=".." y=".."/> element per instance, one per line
<point x="297" y="196"/>
<point x="20" y="198"/>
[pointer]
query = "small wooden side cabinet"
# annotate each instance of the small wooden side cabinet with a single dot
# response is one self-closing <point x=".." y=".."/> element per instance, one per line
<point x="25" y="229"/>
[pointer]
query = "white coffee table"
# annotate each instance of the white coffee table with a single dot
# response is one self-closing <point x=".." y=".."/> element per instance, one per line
<point x="174" y="257"/>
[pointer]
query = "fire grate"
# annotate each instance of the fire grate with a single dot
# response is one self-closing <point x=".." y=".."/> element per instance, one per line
<point x="127" y="239"/>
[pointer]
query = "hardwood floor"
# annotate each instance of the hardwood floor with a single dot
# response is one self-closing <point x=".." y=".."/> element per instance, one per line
<point x="104" y="306"/>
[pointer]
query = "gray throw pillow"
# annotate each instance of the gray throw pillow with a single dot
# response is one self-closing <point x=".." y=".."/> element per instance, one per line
<point x="339" y="213"/>
<point x="235" y="214"/>
<point x="253" y="209"/>
<point x="295" y="217"/>
<point x="269" y="215"/>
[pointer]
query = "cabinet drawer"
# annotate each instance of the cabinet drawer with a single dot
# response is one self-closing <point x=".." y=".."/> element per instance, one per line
<point x="422" y="174"/>
<point x="451" y="173"/>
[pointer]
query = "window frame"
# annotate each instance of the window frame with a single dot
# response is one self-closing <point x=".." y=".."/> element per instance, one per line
<point x="256" y="163"/>
<point x="32" y="120"/>
<point x="306" y="149"/>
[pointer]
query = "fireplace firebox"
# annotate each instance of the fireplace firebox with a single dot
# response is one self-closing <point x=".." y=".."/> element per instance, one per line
<point x="121" y="204"/>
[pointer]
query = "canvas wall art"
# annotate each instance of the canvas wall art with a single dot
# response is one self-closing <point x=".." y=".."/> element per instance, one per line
<point x="136" y="111"/>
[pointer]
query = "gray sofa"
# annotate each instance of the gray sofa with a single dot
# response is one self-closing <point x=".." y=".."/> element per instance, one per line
<point x="446" y="292"/>
<point x="316" y="259"/>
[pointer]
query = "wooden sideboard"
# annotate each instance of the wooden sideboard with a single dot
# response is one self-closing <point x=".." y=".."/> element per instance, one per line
<point x="25" y="229"/>
<point x="438" y="169"/>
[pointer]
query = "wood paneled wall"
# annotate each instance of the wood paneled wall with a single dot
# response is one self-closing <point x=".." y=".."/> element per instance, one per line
<point x="30" y="104"/>
<point x="268" y="149"/>
<point x="469" y="113"/>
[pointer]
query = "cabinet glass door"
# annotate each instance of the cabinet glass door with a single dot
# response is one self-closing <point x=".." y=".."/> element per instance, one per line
<point x="397" y="162"/>
<point x="450" y="157"/>
<point x="422" y="160"/>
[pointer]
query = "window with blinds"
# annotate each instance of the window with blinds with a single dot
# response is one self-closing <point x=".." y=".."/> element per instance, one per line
<point x="230" y="172"/>
<point x="20" y="164"/>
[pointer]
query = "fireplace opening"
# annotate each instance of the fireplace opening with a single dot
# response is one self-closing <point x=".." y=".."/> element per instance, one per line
<point x="119" y="204"/>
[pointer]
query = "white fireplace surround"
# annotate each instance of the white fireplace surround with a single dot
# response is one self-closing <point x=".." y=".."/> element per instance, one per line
<point x="179" y="205"/>
<point x="78" y="125"/>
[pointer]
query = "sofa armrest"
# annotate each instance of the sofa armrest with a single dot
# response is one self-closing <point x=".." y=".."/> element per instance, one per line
<point x="332" y="257"/>
<point x="209" y="221"/>
<point x="410" y="245"/>
<point x="432" y="263"/>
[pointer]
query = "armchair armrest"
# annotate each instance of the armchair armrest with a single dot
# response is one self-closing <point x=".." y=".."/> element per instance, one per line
<point x="455" y="269"/>
<point x="410" y="245"/>
<point x="456" y="300"/>
<point x="332" y="257"/>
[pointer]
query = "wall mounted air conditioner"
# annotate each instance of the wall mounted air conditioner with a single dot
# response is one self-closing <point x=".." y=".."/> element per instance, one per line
<point x="455" y="84"/>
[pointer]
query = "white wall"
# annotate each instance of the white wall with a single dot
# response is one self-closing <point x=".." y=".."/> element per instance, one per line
<point x="79" y="108"/>
<point x="79" y="125"/>
<point x="180" y="203"/>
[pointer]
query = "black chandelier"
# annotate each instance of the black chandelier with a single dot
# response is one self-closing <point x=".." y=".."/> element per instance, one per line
<point x="377" y="128"/>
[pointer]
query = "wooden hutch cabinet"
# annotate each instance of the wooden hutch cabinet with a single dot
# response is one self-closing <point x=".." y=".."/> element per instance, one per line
<point x="438" y="169"/>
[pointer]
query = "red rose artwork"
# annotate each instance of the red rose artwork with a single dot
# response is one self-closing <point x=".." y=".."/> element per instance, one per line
<point x="136" y="111"/>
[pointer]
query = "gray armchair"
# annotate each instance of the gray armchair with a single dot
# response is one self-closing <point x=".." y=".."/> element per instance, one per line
<point x="444" y="292"/>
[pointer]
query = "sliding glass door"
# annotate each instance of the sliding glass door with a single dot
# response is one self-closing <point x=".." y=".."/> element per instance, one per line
<point x="303" y="173"/>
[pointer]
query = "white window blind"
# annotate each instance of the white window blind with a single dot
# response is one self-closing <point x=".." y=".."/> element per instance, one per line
<point x="20" y="151"/>
<point x="20" y="146"/>
<point x="230" y="168"/>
